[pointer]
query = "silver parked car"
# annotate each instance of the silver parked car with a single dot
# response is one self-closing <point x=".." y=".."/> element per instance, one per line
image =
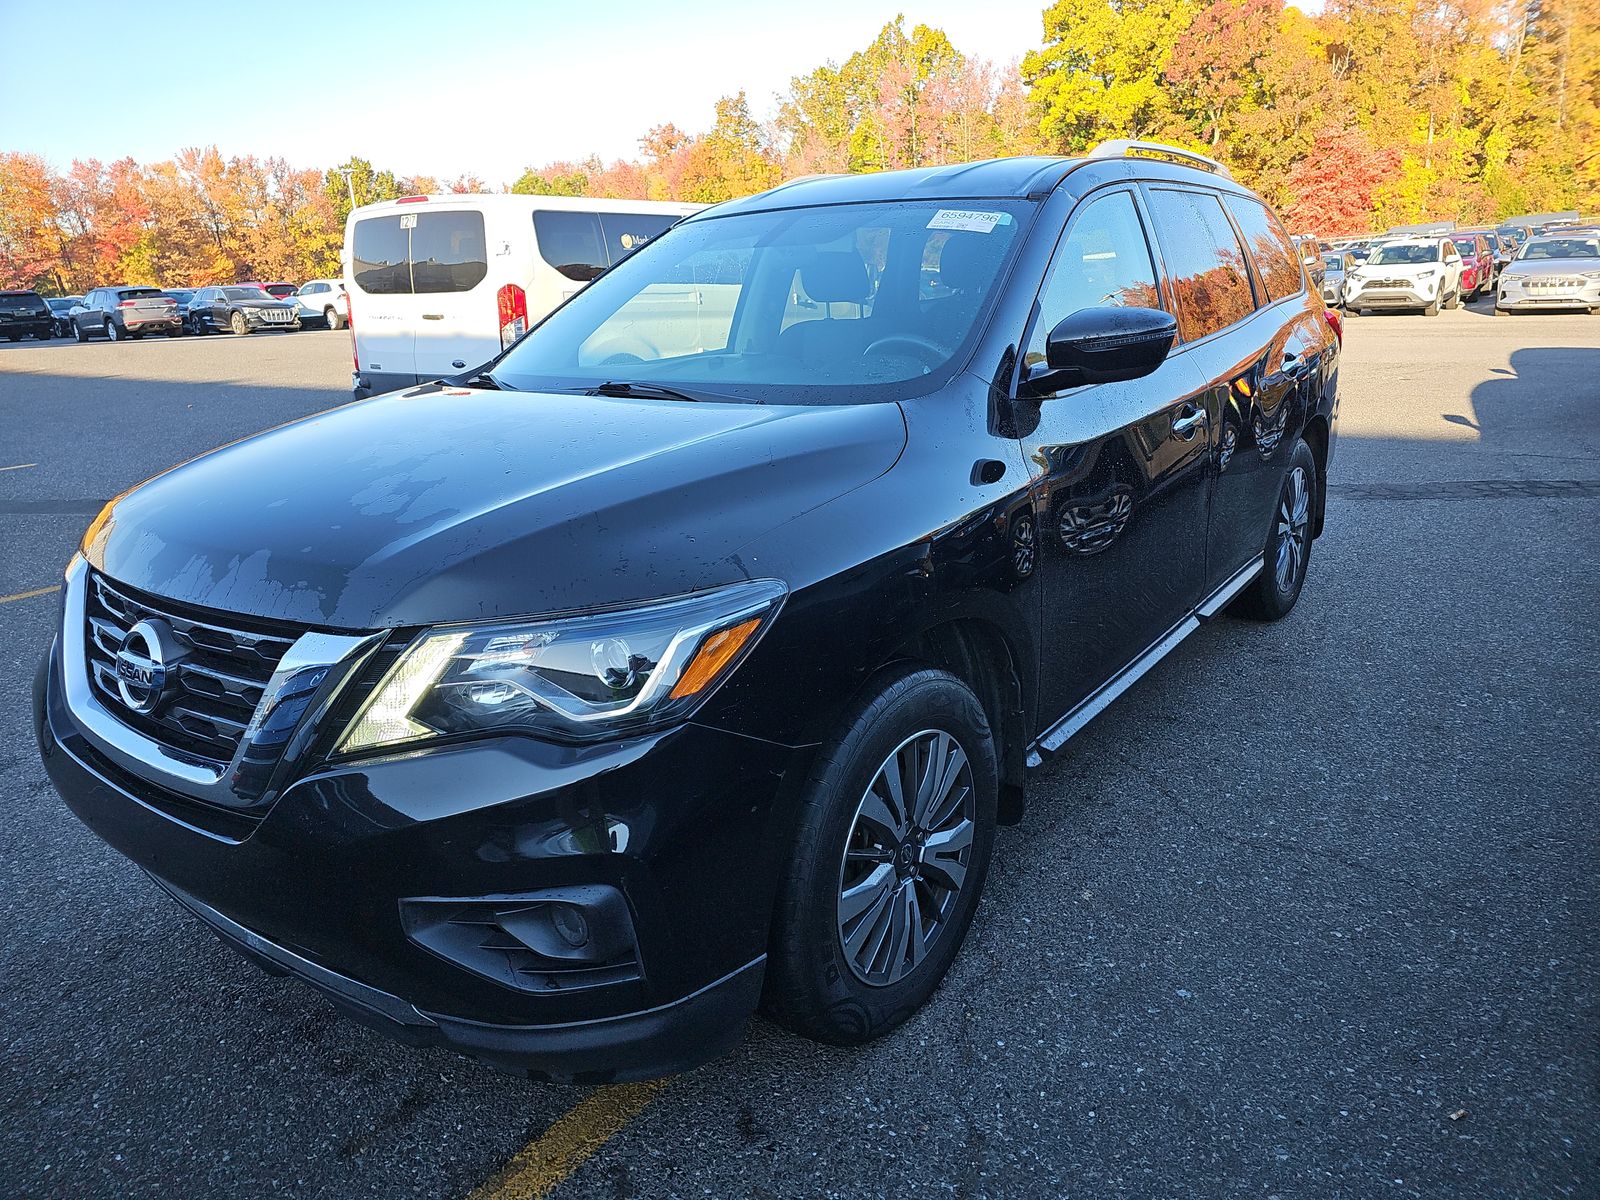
<point x="1336" y="268"/>
<point x="1561" y="271"/>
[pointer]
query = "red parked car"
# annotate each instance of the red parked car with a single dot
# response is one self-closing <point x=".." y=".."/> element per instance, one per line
<point x="1477" y="265"/>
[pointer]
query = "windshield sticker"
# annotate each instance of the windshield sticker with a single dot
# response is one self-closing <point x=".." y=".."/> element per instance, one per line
<point x="969" y="220"/>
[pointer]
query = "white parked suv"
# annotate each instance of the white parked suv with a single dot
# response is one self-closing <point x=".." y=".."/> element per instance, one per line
<point x="1409" y="273"/>
<point x="323" y="300"/>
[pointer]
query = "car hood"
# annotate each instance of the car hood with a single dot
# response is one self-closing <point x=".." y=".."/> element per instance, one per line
<point x="440" y="504"/>
<point x="1553" y="266"/>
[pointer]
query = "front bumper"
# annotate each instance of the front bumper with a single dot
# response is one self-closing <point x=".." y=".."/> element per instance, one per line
<point x="1518" y="295"/>
<point x="258" y="323"/>
<point x="677" y="823"/>
<point x="1380" y="298"/>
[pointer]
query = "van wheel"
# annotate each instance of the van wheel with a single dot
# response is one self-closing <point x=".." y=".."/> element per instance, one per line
<point x="1288" y="550"/>
<point x="238" y="324"/>
<point x="893" y="841"/>
<point x="334" y="319"/>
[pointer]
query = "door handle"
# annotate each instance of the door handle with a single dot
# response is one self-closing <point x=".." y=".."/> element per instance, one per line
<point x="433" y="316"/>
<point x="1189" y="423"/>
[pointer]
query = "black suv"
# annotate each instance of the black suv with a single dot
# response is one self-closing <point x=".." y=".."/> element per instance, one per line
<point x="241" y="308"/>
<point x="25" y="314"/>
<point x="686" y="655"/>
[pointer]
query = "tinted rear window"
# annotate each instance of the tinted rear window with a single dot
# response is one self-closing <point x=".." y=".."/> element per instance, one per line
<point x="448" y="251"/>
<point x="137" y="293"/>
<point x="1204" y="260"/>
<point x="582" y="244"/>
<point x="1270" y="246"/>
<point x="410" y="252"/>
<point x="23" y="302"/>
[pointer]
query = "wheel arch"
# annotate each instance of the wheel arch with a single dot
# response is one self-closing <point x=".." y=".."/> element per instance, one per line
<point x="980" y="652"/>
<point x="1316" y="436"/>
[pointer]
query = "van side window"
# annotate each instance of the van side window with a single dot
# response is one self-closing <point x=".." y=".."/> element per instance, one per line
<point x="1270" y="247"/>
<point x="379" y="252"/>
<point x="1103" y="262"/>
<point x="1204" y="261"/>
<point x="572" y="243"/>
<point x="626" y="232"/>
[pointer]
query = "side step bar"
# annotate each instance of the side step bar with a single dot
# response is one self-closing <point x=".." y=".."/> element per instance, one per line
<point x="1100" y="699"/>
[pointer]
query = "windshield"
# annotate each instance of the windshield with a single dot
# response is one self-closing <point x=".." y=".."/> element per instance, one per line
<point x="244" y="293"/>
<point x="1568" y="247"/>
<point x="1405" y="254"/>
<point x="838" y="304"/>
<point x="59" y="304"/>
<point x="1332" y="262"/>
<point x="1467" y="247"/>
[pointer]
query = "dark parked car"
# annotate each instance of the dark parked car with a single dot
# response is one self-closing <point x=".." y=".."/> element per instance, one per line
<point x="61" y="313"/>
<point x="561" y="711"/>
<point x="242" y="309"/>
<point x="120" y="313"/>
<point x="25" y="314"/>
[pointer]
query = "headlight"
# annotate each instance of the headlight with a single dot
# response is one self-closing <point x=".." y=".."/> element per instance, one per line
<point x="1512" y="278"/>
<point x="1591" y="274"/>
<point x="582" y="678"/>
<point x="1428" y="274"/>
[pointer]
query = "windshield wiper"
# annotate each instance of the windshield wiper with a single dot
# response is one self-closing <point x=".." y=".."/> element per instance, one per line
<point x="648" y="391"/>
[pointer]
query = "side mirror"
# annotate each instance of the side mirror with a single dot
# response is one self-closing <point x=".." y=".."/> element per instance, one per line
<point x="1103" y="345"/>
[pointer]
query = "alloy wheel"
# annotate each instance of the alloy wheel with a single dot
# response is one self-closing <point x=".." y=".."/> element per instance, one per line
<point x="1292" y="528"/>
<point x="906" y="858"/>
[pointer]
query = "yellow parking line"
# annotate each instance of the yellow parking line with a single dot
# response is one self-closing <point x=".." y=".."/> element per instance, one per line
<point x="544" y="1163"/>
<point x="28" y="595"/>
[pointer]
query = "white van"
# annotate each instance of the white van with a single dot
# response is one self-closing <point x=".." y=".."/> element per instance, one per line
<point x="438" y="284"/>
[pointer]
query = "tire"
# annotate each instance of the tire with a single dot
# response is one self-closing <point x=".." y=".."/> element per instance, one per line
<point x="1273" y="593"/>
<point x="1455" y="298"/>
<point x="111" y="331"/>
<point x="814" y="985"/>
<point x="334" y="318"/>
<point x="1432" y="310"/>
<point x="77" y="332"/>
<point x="238" y="324"/>
<point x="1501" y="312"/>
<point x="197" y="325"/>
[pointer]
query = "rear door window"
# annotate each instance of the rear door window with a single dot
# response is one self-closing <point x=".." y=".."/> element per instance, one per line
<point x="1204" y="261"/>
<point x="1270" y="247"/>
<point x="448" y="251"/>
<point x="420" y="252"/>
<point x="380" y="256"/>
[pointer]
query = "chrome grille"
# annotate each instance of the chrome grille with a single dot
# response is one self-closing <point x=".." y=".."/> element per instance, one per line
<point x="276" y="316"/>
<point x="215" y="684"/>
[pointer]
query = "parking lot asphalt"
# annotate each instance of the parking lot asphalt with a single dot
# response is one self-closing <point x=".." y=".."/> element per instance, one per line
<point x="1312" y="911"/>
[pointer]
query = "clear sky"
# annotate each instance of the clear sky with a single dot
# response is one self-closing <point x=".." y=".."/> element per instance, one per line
<point x="442" y="88"/>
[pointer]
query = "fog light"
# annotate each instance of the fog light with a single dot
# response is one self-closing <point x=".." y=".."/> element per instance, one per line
<point x="569" y="923"/>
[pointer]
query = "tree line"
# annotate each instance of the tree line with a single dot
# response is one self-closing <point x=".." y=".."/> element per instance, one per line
<point x="1371" y="113"/>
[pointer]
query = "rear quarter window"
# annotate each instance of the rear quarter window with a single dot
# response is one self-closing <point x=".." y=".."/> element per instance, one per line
<point x="572" y="243"/>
